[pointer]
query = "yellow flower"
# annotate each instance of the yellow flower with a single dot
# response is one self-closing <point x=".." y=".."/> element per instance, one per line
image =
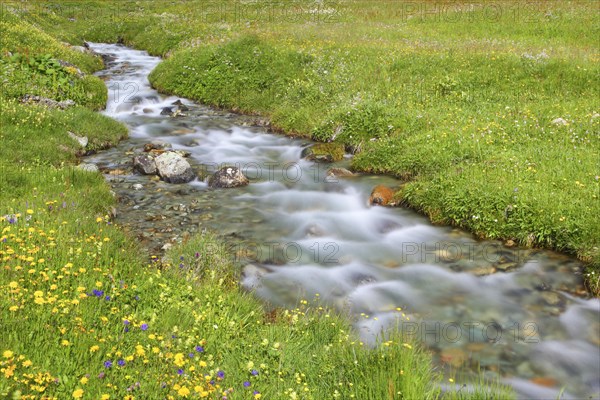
<point x="13" y="285"/>
<point x="202" y="364"/>
<point x="27" y="363"/>
<point x="183" y="391"/>
<point x="99" y="219"/>
<point x="99" y="284"/>
<point x="7" y="354"/>
<point x="13" y="308"/>
<point x="83" y="380"/>
<point x="38" y="293"/>
<point x="78" y="393"/>
<point x="65" y="342"/>
<point x="139" y="350"/>
<point x="94" y="348"/>
<point x="104" y="397"/>
<point x="179" y="359"/>
<point x="30" y="211"/>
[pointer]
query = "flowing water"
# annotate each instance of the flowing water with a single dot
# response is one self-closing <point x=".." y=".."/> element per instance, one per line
<point x="518" y="314"/>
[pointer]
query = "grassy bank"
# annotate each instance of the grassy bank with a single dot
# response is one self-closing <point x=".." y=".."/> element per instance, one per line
<point x="84" y="315"/>
<point x="490" y="112"/>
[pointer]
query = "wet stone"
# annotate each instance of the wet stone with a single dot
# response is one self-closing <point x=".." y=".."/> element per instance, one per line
<point x="505" y="267"/>
<point x="551" y="298"/>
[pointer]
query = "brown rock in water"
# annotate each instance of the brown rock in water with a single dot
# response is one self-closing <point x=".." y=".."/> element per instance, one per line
<point x="381" y="196"/>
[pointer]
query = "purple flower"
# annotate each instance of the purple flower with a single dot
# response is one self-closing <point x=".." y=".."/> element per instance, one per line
<point x="98" y="293"/>
<point x="101" y="375"/>
<point x="107" y="364"/>
<point x="181" y="258"/>
<point x="254" y="372"/>
<point x="191" y="355"/>
<point x="126" y="329"/>
<point x="199" y="349"/>
<point x="121" y="363"/>
<point x="197" y="254"/>
<point x="246" y="384"/>
<point x="221" y="374"/>
<point x="144" y="327"/>
<point x="180" y="372"/>
<point x="126" y="322"/>
<point x="107" y="298"/>
<point x="255" y="392"/>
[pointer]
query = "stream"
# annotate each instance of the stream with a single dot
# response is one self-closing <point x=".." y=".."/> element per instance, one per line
<point x="521" y="315"/>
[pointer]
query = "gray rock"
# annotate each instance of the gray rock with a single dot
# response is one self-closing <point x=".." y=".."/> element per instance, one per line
<point x="44" y="101"/>
<point x="333" y="174"/>
<point x="88" y="167"/>
<point x="82" y="140"/>
<point x="166" y="111"/>
<point x="144" y="164"/>
<point x="559" y="122"/>
<point x="228" y="177"/>
<point x="173" y="168"/>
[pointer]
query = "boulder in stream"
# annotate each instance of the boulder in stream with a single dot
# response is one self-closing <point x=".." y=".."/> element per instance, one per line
<point x="173" y="168"/>
<point x="324" y="152"/>
<point x="228" y="177"/>
<point x="333" y="174"/>
<point x="144" y="163"/>
<point x="381" y="196"/>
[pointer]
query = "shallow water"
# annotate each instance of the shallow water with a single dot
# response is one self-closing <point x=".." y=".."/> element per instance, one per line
<point x="517" y="314"/>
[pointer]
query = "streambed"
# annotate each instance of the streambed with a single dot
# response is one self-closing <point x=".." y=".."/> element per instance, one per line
<point x="518" y="314"/>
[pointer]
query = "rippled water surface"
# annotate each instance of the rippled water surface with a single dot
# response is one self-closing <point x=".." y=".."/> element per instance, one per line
<point x="518" y="314"/>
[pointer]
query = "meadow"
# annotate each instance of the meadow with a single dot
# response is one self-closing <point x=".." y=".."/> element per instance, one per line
<point x="87" y="314"/>
<point x="462" y="103"/>
<point x="489" y="111"/>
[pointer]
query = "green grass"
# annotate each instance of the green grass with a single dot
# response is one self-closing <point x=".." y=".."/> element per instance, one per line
<point x="457" y="99"/>
<point x="84" y="313"/>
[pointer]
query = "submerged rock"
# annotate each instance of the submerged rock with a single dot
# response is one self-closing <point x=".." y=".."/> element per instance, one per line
<point x="157" y="145"/>
<point x="173" y="168"/>
<point x="228" y="177"/>
<point x="381" y="196"/>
